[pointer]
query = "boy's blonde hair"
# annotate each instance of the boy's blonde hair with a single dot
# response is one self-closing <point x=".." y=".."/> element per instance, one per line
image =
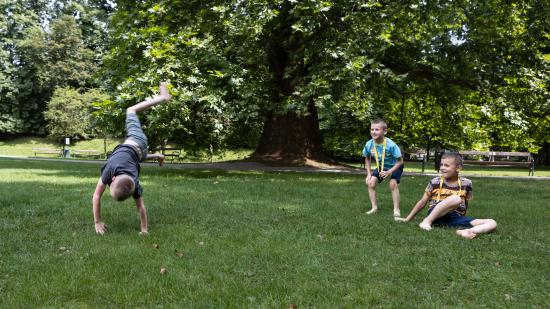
<point x="122" y="188"/>
<point x="380" y="121"/>
<point x="455" y="156"/>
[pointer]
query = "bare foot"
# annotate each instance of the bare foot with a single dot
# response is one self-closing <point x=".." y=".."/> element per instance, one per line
<point x="399" y="219"/>
<point x="372" y="211"/>
<point x="466" y="234"/>
<point x="164" y="93"/>
<point x="396" y="213"/>
<point x="161" y="160"/>
<point x="425" y="226"/>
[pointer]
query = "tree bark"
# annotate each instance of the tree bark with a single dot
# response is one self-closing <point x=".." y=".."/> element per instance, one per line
<point x="288" y="137"/>
<point x="543" y="157"/>
<point x="291" y="138"/>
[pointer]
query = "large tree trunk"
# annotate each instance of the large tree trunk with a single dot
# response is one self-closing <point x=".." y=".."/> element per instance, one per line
<point x="291" y="139"/>
<point x="543" y="157"/>
<point x="288" y="137"/>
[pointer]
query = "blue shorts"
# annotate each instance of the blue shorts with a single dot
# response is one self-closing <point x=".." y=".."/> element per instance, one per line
<point x="135" y="133"/>
<point x="453" y="219"/>
<point x="395" y="175"/>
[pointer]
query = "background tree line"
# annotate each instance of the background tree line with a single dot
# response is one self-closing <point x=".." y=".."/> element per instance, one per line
<point x="291" y="79"/>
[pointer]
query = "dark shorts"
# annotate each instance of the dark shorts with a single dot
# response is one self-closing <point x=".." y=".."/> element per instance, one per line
<point x="453" y="219"/>
<point x="135" y="133"/>
<point x="395" y="175"/>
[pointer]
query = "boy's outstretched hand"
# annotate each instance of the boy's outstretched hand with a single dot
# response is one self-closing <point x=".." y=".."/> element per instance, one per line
<point x="100" y="228"/>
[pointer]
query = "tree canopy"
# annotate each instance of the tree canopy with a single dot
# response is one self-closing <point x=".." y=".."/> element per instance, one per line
<point x="300" y="80"/>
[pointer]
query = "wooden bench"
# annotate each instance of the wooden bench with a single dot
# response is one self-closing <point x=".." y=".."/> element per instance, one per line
<point x="491" y="155"/>
<point x="38" y="151"/>
<point x="86" y="153"/>
<point x="418" y="155"/>
<point x="172" y="153"/>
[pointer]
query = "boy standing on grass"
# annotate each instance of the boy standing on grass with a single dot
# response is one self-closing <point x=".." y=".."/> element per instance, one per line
<point x="389" y="163"/>
<point x="121" y="171"/>
<point x="448" y="197"/>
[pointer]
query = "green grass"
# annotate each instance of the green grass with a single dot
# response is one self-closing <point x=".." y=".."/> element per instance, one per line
<point x="23" y="147"/>
<point x="478" y="170"/>
<point x="253" y="239"/>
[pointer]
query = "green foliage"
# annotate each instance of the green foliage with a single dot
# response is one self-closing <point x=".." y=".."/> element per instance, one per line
<point x="433" y="69"/>
<point x="69" y="112"/>
<point x="45" y="44"/>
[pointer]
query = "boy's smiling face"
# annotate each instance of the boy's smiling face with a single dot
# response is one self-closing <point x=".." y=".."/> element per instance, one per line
<point x="449" y="169"/>
<point x="377" y="131"/>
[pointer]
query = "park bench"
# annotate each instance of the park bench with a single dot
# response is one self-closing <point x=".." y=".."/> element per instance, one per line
<point x="87" y="153"/>
<point x="170" y="153"/>
<point x="417" y="155"/>
<point x="488" y="158"/>
<point x="38" y="151"/>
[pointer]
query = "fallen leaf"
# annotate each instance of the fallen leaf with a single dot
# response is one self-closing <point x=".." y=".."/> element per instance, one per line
<point x="201" y="243"/>
<point x="321" y="237"/>
<point x="508" y="297"/>
<point x="293" y="306"/>
<point x="179" y="254"/>
<point x="497" y="264"/>
<point x="156" y="246"/>
<point x="163" y="271"/>
<point x="62" y="248"/>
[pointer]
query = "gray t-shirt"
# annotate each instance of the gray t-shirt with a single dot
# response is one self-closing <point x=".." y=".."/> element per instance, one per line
<point x="123" y="160"/>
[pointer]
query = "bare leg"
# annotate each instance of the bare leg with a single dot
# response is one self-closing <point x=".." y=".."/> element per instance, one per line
<point x="156" y="156"/>
<point x="440" y="210"/>
<point x="164" y="96"/>
<point x="371" y="184"/>
<point x="395" y="198"/>
<point x="480" y="226"/>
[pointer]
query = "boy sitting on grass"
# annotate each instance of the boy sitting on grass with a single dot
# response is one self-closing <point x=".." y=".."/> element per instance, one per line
<point x="121" y="171"/>
<point x="448" y="197"/>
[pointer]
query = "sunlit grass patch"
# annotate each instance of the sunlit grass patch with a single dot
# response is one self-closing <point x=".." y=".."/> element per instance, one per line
<point x="260" y="239"/>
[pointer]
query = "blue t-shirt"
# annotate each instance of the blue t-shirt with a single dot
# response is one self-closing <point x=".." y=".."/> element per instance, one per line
<point x="393" y="153"/>
<point x="123" y="160"/>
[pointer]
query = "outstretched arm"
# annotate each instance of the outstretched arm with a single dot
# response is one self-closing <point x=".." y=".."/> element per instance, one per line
<point x="142" y="215"/>
<point x="100" y="227"/>
<point x="418" y="207"/>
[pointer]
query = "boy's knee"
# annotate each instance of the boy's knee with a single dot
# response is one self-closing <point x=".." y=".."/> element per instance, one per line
<point x="130" y="110"/>
<point x="393" y="185"/>
<point x="454" y="199"/>
<point x="493" y="223"/>
<point x="372" y="182"/>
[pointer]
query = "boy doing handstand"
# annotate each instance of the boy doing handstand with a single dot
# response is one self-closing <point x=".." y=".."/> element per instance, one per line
<point x="121" y="171"/>
<point x="448" y="197"/>
<point x="389" y="162"/>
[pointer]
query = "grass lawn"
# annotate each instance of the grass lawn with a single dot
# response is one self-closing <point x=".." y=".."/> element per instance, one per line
<point x="477" y="170"/>
<point x="24" y="146"/>
<point x="254" y="239"/>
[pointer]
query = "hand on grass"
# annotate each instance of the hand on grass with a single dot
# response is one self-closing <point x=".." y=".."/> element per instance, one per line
<point x="143" y="233"/>
<point x="100" y="228"/>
